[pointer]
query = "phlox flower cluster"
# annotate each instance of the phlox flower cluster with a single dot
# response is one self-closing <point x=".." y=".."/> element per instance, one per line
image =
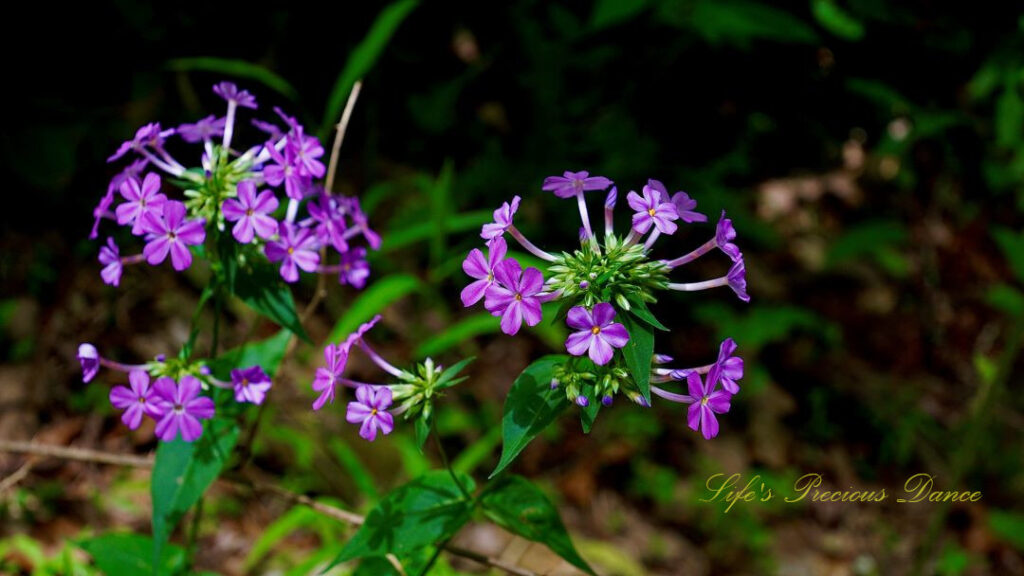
<point x="603" y="287"/>
<point x="176" y="395"/>
<point x="267" y="195"/>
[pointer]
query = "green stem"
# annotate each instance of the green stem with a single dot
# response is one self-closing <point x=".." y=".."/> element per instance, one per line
<point x="444" y="460"/>
<point x="193" y="535"/>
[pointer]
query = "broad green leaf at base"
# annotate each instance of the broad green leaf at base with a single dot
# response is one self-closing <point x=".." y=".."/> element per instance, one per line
<point x="530" y="406"/>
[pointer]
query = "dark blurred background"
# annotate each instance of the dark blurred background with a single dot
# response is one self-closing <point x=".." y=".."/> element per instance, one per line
<point x="871" y="155"/>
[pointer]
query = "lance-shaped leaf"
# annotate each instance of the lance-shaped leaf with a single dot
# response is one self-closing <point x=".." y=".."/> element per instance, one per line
<point x="638" y="353"/>
<point x="182" y="473"/>
<point x="127" y="553"/>
<point x="530" y="406"/>
<point x="266" y="354"/>
<point x="517" y="505"/>
<point x="426" y="511"/>
<point x="264" y="291"/>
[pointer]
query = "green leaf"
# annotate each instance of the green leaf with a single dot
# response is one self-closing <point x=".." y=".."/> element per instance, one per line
<point x="1012" y="245"/>
<point x="422" y="430"/>
<point x="1009" y="526"/>
<point x="517" y="505"/>
<point x="372" y="301"/>
<point x="530" y="406"/>
<point x="292" y="521"/>
<point x="182" y="473"/>
<point x="736" y="22"/>
<point x="639" y="352"/>
<point x="404" y="234"/>
<point x="264" y="291"/>
<point x="362" y="59"/>
<point x="126" y="553"/>
<point x="588" y="414"/>
<point x="607" y="13"/>
<point x="238" y="69"/>
<point x="639" y="309"/>
<point x="356" y="469"/>
<point x="266" y="354"/>
<point x="1009" y="113"/>
<point x="836" y="20"/>
<point x="426" y="511"/>
<point x="1006" y="298"/>
<point x="462" y="331"/>
<point x="447" y="377"/>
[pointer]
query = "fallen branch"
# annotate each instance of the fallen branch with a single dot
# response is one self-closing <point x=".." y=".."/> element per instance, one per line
<point x="96" y="456"/>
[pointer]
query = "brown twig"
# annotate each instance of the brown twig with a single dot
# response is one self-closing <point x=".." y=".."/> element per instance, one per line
<point x="339" y="135"/>
<point x="99" y="457"/>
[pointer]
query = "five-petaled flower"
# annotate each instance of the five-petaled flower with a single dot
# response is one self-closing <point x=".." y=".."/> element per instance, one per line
<point x="181" y="407"/>
<point x="251" y="384"/>
<point x="137" y="401"/>
<point x="230" y="92"/>
<point x="140" y="200"/>
<point x="727" y="369"/>
<point x="570" y="183"/>
<point x="297" y="248"/>
<point x="652" y="210"/>
<point x="251" y="213"/>
<point x="354" y="268"/>
<point x="705" y="402"/>
<point x="516" y="296"/>
<point x="370" y="409"/>
<point x="326" y="380"/>
<point x="724" y="236"/>
<point x="110" y="257"/>
<point x="171" y="233"/>
<point x="502" y="220"/>
<point x="596" y="333"/>
<point x="476" y="266"/>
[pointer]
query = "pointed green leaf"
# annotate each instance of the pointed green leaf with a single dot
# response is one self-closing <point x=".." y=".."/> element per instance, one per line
<point x="266" y="354"/>
<point x="126" y="553"/>
<point x="372" y="301"/>
<point x="238" y="69"/>
<point x="362" y="59"/>
<point x="444" y="381"/>
<point x="264" y="291"/>
<point x="640" y="310"/>
<point x="530" y="406"/>
<point x="638" y="353"/>
<point x="426" y="511"/>
<point x="182" y="473"/>
<point x="422" y="431"/>
<point x="515" y="504"/>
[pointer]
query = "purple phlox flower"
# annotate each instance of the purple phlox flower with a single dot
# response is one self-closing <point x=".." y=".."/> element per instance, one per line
<point x="297" y="248"/>
<point x="682" y="201"/>
<point x="251" y="213"/>
<point x="171" y="233"/>
<point x="286" y="170"/>
<point x="329" y="216"/>
<point x="737" y="278"/>
<point x="476" y="266"/>
<point x="582" y="401"/>
<point x="361" y="222"/>
<point x="230" y="92"/>
<point x="607" y="400"/>
<point x="137" y="401"/>
<point x="502" y="219"/>
<point x="724" y="235"/>
<point x="356" y="336"/>
<point x="181" y="408"/>
<point x="686" y="206"/>
<point x="727" y="369"/>
<point x="273" y="130"/>
<point x="140" y="199"/>
<point x="705" y="402"/>
<point x="251" y="384"/>
<point x="661" y="359"/>
<point x="203" y="130"/>
<point x="570" y="183"/>
<point x="326" y="379"/>
<point x="652" y="210"/>
<point x="353" y="268"/>
<point x="596" y="333"/>
<point x="100" y="212"/>
<point x="515" y="296"/>
<point x="307" y="150"/>
<point x="89" y="358"/>
<point x="370" y="409"/>
<point x="149" y="135"/>
<point x="110" y="257"/>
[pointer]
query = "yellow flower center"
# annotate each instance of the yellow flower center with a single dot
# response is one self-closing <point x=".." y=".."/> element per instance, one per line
<point x="291" y="251"/>
<point x="704" y="401"/>
<point x="595" y="330"/>
<point x="519" y="297"/>
<point x="373" y="412"/>
<point x="651" y="212"/>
